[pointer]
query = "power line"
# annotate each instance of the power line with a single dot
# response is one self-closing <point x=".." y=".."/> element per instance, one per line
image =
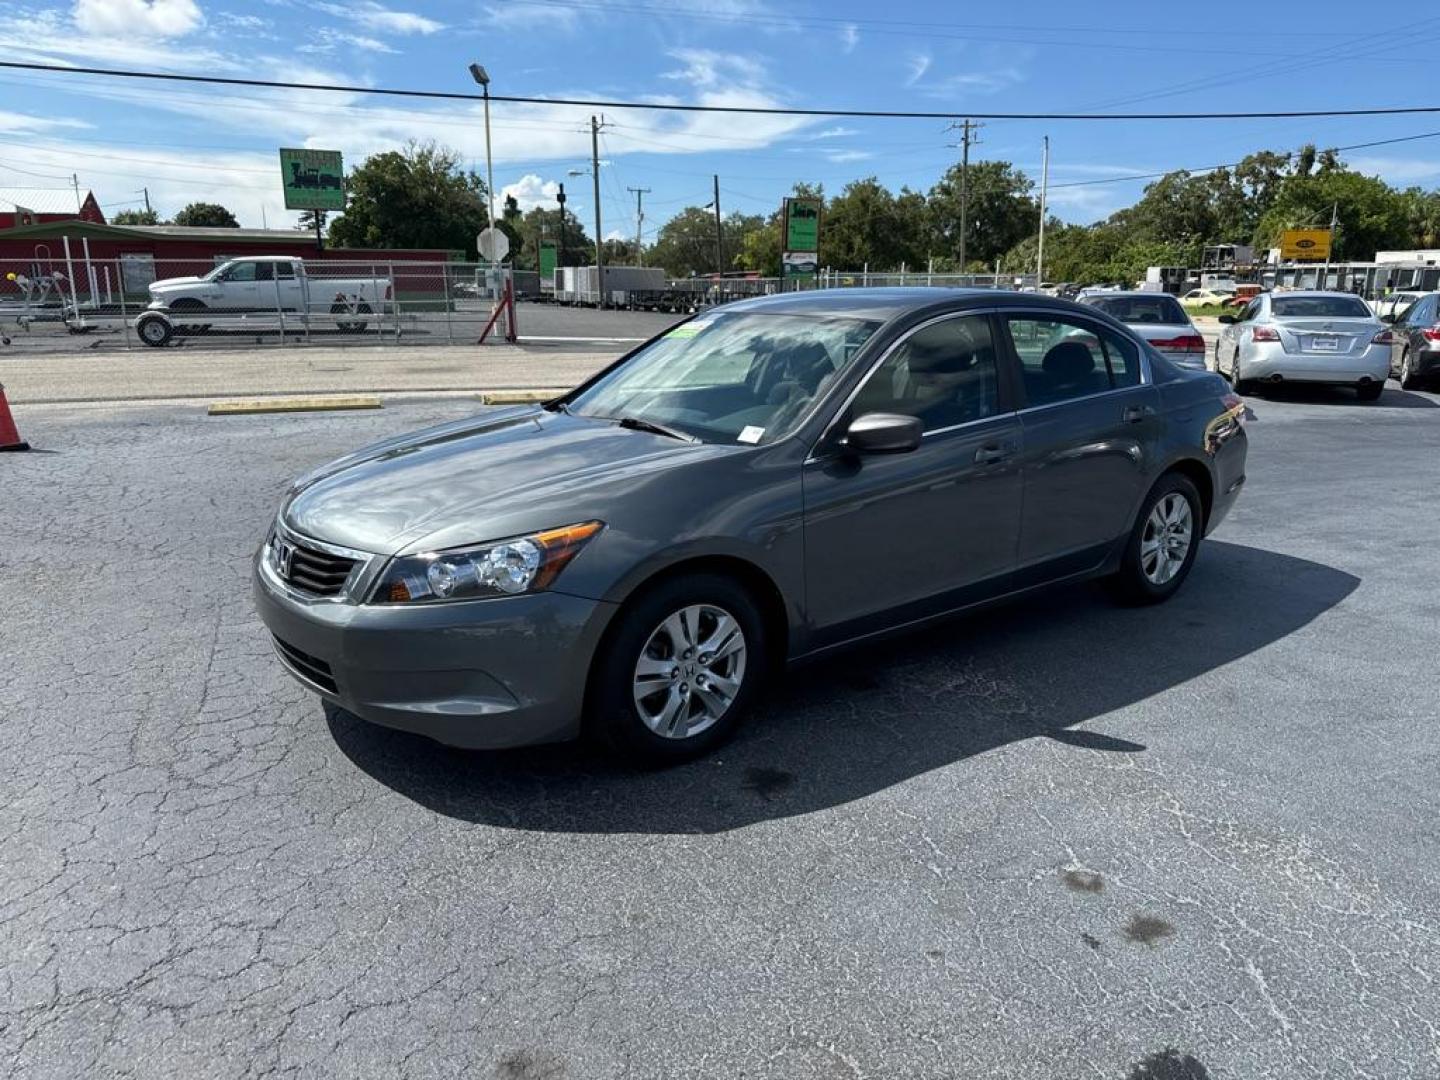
<point x="749" y="110"/>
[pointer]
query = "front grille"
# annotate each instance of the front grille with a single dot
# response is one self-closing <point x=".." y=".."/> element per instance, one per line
<point x="310" y="668"/>
<point x="318" y="572"/>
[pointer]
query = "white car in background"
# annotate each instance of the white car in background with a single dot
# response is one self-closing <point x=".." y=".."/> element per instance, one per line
<point x="1159" y="319"/>
<point x="1309" y="337"/>
<point x="1396" y="302"/>
<point x="1205" y="297"/>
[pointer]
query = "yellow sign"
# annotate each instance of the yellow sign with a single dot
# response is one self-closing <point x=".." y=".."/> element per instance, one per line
<point x="1302" y="244"/>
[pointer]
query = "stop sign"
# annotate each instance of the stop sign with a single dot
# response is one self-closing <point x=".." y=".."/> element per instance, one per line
<point x="492" y="244"/>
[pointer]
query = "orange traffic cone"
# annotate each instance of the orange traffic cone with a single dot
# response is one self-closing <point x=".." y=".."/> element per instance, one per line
<point x="9" y="434"/>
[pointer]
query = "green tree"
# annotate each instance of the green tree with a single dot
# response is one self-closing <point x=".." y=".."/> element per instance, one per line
<point x="415" y="198"/>
<point x="866" y="224"/>
<point x="685" y="244"/>
<point x="542" y="224"/>
<point x="1000" y="212"/>
<point x="1371" y="216"/>
<point x="135" y="217"/>
<point x="208" y="215"/>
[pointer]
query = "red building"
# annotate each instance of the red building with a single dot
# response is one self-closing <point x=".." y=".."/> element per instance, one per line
<point x="37" y="206"/>
<point x="139" y="254"/>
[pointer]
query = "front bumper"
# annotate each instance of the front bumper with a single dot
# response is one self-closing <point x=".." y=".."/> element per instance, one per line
<point x="479" y="674"/>
<point x="1269" y="359"/>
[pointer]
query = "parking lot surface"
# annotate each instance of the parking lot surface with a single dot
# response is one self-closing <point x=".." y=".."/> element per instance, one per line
<point x="1055" y="839"/>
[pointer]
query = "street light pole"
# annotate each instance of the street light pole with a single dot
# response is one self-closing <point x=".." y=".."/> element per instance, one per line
<point x="480" y="75"/>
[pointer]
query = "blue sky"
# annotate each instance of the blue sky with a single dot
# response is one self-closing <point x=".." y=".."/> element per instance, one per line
<point x="194" y="143"/>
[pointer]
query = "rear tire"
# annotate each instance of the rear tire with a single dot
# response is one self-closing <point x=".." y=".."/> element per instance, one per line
<point x="653" y="692"/>
<point x="154" y="330"/>
<point x="349" y="327"/>
<point x="1408" y="379"/>
<point x="1163" y="544"/>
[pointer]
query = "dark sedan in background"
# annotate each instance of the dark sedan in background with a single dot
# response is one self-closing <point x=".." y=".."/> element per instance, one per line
<point x="771" y="480"/>
<point x="1415" y="342"/>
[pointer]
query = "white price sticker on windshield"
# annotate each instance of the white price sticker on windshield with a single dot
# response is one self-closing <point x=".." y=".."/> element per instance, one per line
<point x="751" y="434"/>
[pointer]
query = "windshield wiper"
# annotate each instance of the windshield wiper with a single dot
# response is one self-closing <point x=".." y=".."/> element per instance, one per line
<point x="636" y="423"/>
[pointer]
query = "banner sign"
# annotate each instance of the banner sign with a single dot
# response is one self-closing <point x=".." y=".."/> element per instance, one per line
<point x="313" y="179"/>
<point x="547" y="260"/>
<point x="798" y="264"/>
<point x="1301" y="244"/>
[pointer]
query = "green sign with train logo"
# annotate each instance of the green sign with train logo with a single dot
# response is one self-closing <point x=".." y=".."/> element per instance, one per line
<point x="313" y="179"/>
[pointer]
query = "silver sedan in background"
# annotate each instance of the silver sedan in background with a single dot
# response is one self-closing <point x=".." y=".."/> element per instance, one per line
<point x="1310" y="337"/>
<point x="1159" y="319"/>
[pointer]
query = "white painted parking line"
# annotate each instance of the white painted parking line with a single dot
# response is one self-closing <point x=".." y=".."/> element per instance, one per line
<point x="526" y="339"/>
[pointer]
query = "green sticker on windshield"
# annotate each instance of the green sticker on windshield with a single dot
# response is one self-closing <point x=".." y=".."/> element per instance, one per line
<point x="688" y="330"/>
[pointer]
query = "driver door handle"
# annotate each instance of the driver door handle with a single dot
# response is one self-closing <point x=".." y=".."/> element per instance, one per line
<point x="1136" y="413"/>
<point x="994" y="453"/>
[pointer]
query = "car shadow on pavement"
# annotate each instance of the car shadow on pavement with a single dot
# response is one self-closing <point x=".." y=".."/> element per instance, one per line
<point x="1321" y="394"/>
<point x="834" y="731"/>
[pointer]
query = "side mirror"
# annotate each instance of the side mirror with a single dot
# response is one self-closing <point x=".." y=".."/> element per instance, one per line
<point x="1229" y="320"/>
<point x="884" y="433"/>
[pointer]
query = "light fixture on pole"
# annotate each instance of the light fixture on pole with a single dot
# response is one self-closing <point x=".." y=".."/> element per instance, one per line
<point x="482" y="77"/>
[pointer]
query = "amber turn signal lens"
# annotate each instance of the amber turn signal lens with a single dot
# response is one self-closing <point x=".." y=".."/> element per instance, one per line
<point x="560" y="546"/>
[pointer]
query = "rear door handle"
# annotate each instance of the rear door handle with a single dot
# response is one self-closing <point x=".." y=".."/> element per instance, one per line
<point x="1135" y="413"/>
<point x="994" y="453"/>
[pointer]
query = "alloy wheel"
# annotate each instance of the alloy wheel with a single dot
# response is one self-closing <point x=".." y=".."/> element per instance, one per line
<point x="1167" y="537"/>
<point x="690" y="671"/>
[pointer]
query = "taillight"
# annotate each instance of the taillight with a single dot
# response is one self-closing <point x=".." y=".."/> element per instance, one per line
<point x="1432" y="333"/>
<point x="1184" y="343"/>
<point x="1264" y="333"/>
<point x="1385" y="337"/>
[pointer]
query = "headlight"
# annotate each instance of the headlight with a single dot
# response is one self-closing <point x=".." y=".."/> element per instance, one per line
<point x="504" y="568"/>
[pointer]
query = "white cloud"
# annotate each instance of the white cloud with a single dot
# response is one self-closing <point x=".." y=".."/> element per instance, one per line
<point x="839" y="132"/>
<point x="849" y="37"/>
<point x="243" y="22"/>
<point x="373" y="16"/>
<point x="615" y="234"/>
<point x="51" y="36"/>
<point x="531" y="191"/>
<point x="1396" y="170"/>
<point x="523" y="16"/>
<point x="919" y="65"/>
<point x="971" y="82"/>
<point x="157" y="18"/>
<point x="331" y="39"/>
<point x="842" y="156"/>
<point x="707" y="67"/>
<point x="12" y="122"/>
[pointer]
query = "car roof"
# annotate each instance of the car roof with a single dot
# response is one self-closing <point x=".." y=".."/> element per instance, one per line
<point x="1131" y="292"/>
<point x="1315" y="292"/>
<point x="886" y="304"/>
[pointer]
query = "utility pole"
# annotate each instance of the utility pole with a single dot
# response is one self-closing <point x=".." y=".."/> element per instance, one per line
<point x="639" y="193"/>
<point x="1330" y="248"/>
<point x="146" y="190"/>
<point x="719" y="236"/>
<point x="560" y="255"/>
<point x="967" y="136"/>
<point x="75" y="179"/>
<point x="1044" y="193"/>
<point x="595" y="125"/>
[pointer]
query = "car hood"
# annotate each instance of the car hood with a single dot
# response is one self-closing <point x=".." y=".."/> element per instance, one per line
<point x="174" y="282"/>
<point x="498" y="474"/>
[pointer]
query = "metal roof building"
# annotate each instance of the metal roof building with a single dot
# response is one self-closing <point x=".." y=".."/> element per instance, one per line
<point x="20" y="207"/>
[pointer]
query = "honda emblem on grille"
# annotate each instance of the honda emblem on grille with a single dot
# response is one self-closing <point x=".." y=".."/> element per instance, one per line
<point x="280" y="556"/>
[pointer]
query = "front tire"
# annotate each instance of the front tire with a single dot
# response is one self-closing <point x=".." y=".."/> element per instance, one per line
<point x="1162" y="545"/>
<point x="676" y="678"/>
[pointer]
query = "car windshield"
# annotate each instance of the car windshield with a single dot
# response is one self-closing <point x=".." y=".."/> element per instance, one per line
<point x="1141" y="309"/>
<point x="1320" y="307"/>
<point x="739" y="377"/>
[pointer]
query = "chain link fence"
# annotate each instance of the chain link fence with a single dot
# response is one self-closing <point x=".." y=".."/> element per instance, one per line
<point x="136" y="301"/>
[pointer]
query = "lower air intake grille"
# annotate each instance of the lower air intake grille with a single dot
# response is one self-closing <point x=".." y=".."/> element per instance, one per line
<point x="310" y="668"/>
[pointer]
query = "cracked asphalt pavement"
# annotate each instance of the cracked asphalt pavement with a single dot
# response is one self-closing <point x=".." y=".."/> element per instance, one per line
<point x="1057" y="839"/>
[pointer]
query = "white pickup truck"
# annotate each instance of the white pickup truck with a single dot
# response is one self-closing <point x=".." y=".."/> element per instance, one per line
<point x="262" y="290"/>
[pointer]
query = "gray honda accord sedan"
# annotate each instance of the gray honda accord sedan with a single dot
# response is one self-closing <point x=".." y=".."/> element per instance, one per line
<point x="763" y="483"/>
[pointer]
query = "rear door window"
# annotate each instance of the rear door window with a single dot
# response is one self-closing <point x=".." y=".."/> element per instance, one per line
<point x="1062" y="359"/>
